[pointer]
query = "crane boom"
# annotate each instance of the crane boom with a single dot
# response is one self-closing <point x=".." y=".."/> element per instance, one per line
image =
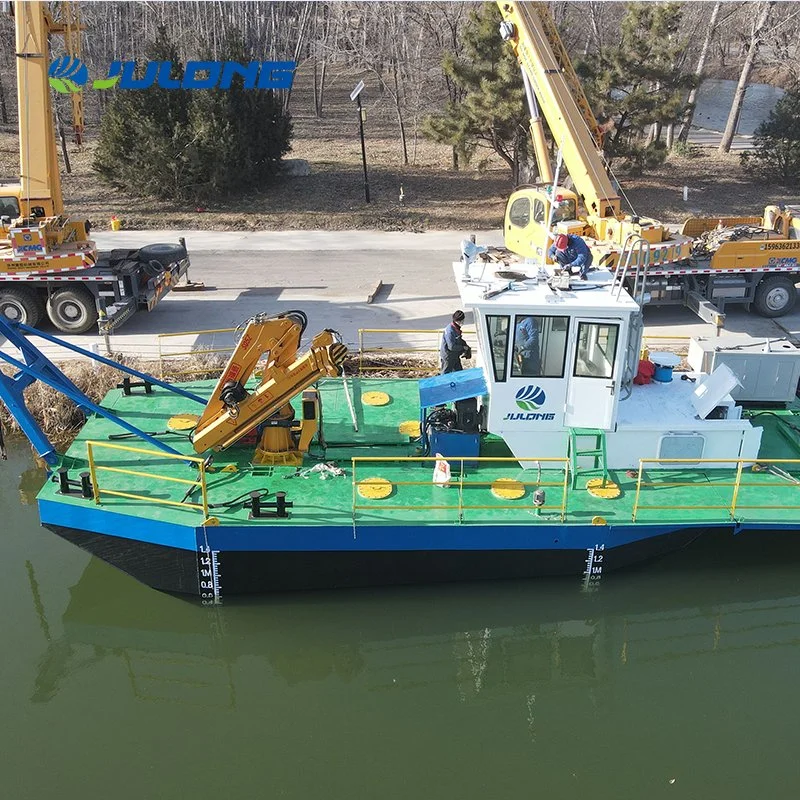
<point x="569" y="117"/>
<point x="532" y="211"/>
<point x="40" y="181"/>
<point x="233" y="411"/>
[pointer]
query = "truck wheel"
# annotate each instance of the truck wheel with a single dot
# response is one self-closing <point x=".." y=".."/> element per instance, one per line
<point x="21" y="305"/>
<point x="163" y="254"/>
<point x="775" y="296"/>
<point x="72" y="310"/>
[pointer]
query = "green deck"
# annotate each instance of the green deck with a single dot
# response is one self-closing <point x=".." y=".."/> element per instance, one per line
<point x="763" y="498"/>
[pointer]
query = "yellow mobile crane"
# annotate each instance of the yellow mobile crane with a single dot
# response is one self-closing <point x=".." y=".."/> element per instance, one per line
<point x="710" y="262"/>
<point x="48" y="263"/>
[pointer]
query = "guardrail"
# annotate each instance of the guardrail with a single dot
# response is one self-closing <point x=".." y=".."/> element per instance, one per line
<point x="731" y="506"/>
<point x="195" y="351"/>
<point x="95" y="468"/>
<point x="460" y="507"/>
<point x="391" y="336"/>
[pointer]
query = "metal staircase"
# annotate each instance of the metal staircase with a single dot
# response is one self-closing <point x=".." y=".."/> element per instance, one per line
<point x="597" y="452"/>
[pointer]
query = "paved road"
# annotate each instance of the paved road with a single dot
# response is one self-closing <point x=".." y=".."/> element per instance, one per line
<point x="701" y="137"/>
<point x="329" y="275"/>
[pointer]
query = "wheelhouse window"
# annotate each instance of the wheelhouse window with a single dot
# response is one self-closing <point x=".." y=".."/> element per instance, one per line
<point x="9" y="207"/>
<point x="540" y="346"/>
<point x="538" y="211"/>
<point x="498" y="345"/>
<point x="597" y="350"/>
<point x="520" y="212"/>
<point x="563" y="210"/>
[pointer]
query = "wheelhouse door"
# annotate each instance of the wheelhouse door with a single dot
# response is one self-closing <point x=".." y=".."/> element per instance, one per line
<point x="593" y="381"/>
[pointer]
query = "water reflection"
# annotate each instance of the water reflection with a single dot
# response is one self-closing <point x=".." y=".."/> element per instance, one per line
<point x="470" y="642"/>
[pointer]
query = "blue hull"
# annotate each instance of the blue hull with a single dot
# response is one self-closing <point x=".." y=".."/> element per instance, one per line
<point x="215" y="561"/>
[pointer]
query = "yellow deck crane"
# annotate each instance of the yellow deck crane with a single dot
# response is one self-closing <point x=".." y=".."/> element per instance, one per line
<point x="48" y="263"/>
<point x="234" y="410"/>
<point x="710" y="262"/>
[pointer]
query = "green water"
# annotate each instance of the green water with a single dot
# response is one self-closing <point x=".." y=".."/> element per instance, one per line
<point x="678" y="680"/>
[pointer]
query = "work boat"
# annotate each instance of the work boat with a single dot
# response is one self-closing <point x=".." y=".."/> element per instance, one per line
<point x="577" y="456"/>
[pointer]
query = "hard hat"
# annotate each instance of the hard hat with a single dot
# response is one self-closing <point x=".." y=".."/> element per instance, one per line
<point x="562" y="242"/>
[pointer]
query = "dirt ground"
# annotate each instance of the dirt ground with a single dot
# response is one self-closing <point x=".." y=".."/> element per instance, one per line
<point x="434" y="195"/>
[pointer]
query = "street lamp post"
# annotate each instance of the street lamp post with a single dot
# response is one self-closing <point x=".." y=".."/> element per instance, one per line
<point x="356" y="95"/>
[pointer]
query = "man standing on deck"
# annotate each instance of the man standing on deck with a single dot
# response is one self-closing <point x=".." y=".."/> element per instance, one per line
<point x="453" y="347"/>
<point x="571" y="251"/>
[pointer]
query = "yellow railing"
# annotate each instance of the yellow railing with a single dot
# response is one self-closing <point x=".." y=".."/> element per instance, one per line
<point x="199" y="351"/>
<point x="95" y="468"/>
<point x="735" y="485"/>
<point x="459" y="482"/>
<point x="428" y="346"/>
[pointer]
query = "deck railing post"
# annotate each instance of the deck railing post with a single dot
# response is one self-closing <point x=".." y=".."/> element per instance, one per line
<point x="93" y="473"/>
<point x="461" y="492"/>
<point x="638" y="489"/>
<point x="736" y="488"/>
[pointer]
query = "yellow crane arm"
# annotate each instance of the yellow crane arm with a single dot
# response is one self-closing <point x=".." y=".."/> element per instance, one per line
<point x="40" y="181"/>
<point x="532" y="33"/>
<point x="233" y="411"/>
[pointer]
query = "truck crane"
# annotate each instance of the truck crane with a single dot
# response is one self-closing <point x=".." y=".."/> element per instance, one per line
<point x="48" y="263"/>
<point x="751" y="260"/>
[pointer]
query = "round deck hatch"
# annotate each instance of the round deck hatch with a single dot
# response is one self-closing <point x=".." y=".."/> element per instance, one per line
<point x="508" y="489"/>
<point x="410" y="427"/>
<point x="375" y="398"/>
<point x="182" y="422"/>
<point x="374" y="488"/>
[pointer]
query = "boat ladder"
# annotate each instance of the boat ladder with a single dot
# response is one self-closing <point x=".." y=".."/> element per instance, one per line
<point x="597" y="452"/>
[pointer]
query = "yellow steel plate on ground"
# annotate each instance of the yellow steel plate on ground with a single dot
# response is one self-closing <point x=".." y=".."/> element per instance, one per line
<point x="410" y="427"/>
<point x="606" y="490"/>
<point x="182" y="422"/>
<point x="375" y="398"/>
<point x="374" y="488"/>
<point x="508" y="489"/>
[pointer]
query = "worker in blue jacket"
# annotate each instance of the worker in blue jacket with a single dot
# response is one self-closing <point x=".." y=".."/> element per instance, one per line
<point x="571" y="251"/>
<point x="452" y="347"/>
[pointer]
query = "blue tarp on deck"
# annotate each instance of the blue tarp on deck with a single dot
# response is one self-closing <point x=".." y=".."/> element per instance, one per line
<point x="451" y="387"/>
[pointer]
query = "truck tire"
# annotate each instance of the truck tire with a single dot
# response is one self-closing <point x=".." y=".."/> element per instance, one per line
<point x="775" y="296"/>
<point x="163" y="254"/>
<point x="20" y="304"/>
<point x="72" y="310"/>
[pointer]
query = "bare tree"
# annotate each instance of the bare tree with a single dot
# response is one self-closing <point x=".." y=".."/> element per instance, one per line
<point x="747" y="68"/>
<point x="698" y="71"/>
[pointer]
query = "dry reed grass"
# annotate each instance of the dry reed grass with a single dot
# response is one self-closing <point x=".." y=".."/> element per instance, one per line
<point x="61" y="419"/>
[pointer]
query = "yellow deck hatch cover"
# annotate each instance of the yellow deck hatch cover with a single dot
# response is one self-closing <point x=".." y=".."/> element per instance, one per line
<point x="375" y="398"/>
<point x="374" y="488"/>
<point x="508" y="489"/>
<point x="183" y="422"/>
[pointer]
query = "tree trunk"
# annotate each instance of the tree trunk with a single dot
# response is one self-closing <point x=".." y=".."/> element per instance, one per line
<point x="455" y="159"/>
<point x="3" y="107"/>
<point x="398" y="106"/>
<point x="670" y="136"/>
<point x="691" y="101"/>
<point x="744" y="77"/>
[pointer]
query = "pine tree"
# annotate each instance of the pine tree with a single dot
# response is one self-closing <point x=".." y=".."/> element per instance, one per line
<point x="639" y="83"/>
<point x="493" y="113"/>
<point x="776" y="152"/>
<point x="195" y="144"/>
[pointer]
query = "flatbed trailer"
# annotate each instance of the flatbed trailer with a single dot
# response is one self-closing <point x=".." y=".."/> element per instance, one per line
<point x="121" y="282"/>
